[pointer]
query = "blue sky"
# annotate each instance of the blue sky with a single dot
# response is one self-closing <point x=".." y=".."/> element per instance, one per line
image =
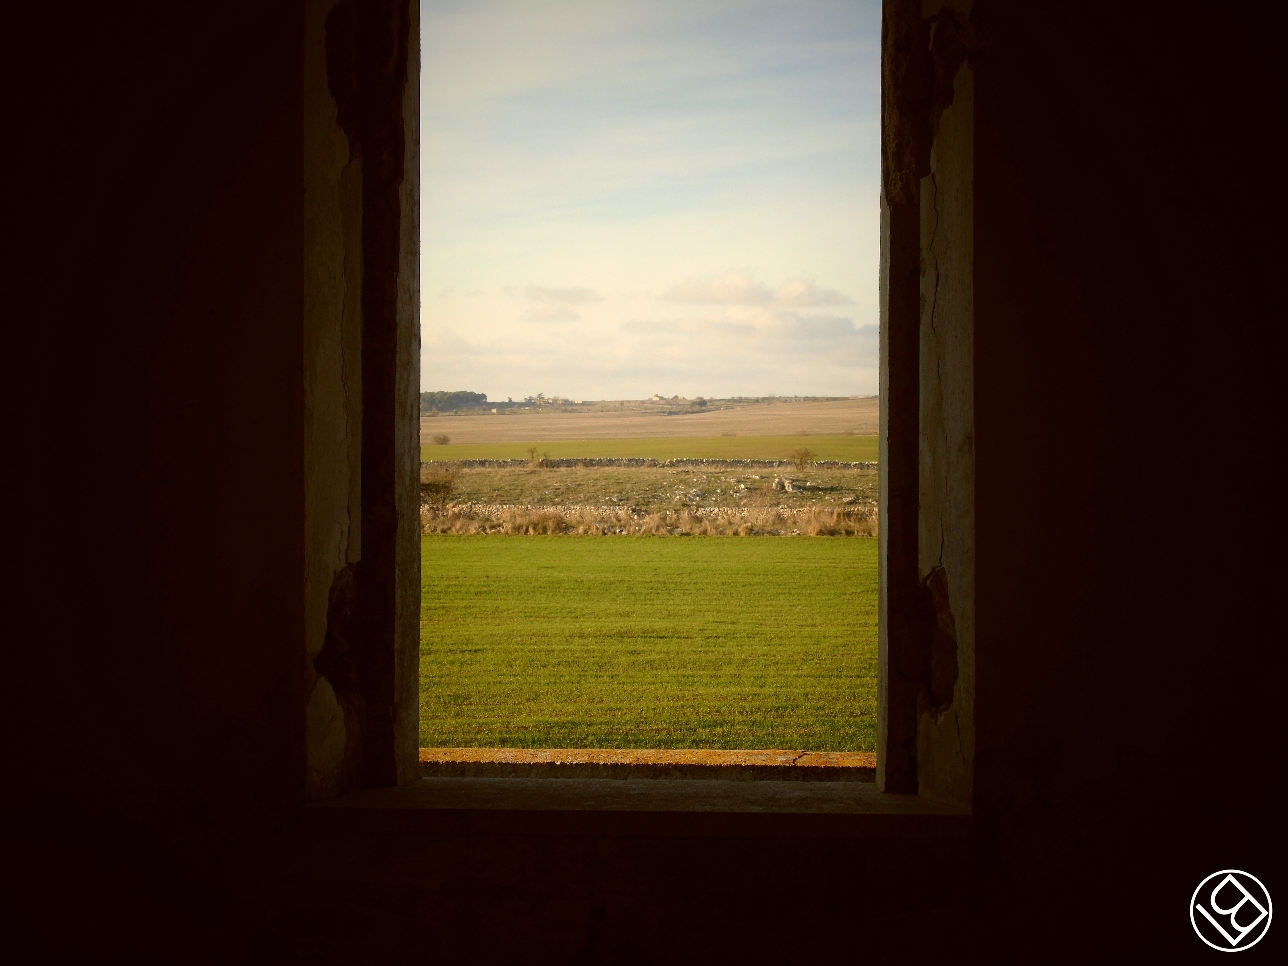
<point x="626" y="198"/>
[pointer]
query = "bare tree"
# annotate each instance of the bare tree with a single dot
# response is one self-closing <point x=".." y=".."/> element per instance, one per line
<point x="801" y="457"/>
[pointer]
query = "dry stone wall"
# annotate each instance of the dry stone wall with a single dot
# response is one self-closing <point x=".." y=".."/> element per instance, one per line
<point x="472" y="517"/>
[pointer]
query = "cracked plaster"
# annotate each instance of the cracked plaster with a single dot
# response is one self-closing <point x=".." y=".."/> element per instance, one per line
<point x="946" y="469"/>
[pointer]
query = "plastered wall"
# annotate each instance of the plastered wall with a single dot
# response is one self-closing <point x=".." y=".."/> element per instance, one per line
<point x="332" y="392"/>
<point x="362" y="362"/>
<point x="927" y="592"/>
<point x="946" y="453"/>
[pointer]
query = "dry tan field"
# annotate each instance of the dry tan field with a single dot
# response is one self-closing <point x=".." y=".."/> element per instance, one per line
<point x="854" y="416"/>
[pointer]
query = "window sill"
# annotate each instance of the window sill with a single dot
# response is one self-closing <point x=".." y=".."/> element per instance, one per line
<point x="651" y="763"/>
<point x="707" y="807"/>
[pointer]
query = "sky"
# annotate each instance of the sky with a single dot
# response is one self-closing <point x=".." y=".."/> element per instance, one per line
<point x="627" y="198"/>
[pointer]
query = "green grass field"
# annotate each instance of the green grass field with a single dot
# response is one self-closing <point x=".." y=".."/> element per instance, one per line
<point x="852" y="448"/>
<point x="638" y="642"/>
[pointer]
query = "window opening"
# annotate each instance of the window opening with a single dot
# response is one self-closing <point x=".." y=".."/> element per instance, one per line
<point x="649" y="375"/>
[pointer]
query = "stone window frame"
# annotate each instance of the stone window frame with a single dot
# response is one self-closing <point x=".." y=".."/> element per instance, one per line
<point x="362" y="356"/>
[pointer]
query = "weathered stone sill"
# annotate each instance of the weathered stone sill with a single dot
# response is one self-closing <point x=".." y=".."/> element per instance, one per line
<point x="649" y="763"/>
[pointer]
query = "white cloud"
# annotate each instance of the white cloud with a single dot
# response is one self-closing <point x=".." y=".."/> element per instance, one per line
<point x="739" y="288"/>
<point x="758" y="324"/>
<point x="549" y="314"/>
<point x="735" y="288"/>
<point x="568" y="296"/>
<point x="802" y="292"/>
<point x="717" y="355"/>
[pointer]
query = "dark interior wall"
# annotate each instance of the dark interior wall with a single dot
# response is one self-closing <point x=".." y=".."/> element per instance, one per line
<point x="1128" y="350"/>
<point x="1126" y="419"/>
<point x="1127" y="415"/>
<point x="153" y="443"/>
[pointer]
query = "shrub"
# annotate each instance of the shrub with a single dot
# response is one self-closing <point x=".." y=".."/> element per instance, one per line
<point x="441" y="440"/>
<point x="801" y="457"/>
<point x="438" y="482"/>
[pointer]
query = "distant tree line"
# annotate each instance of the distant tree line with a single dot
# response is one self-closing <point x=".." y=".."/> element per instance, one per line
<point x="446" y="402"/>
